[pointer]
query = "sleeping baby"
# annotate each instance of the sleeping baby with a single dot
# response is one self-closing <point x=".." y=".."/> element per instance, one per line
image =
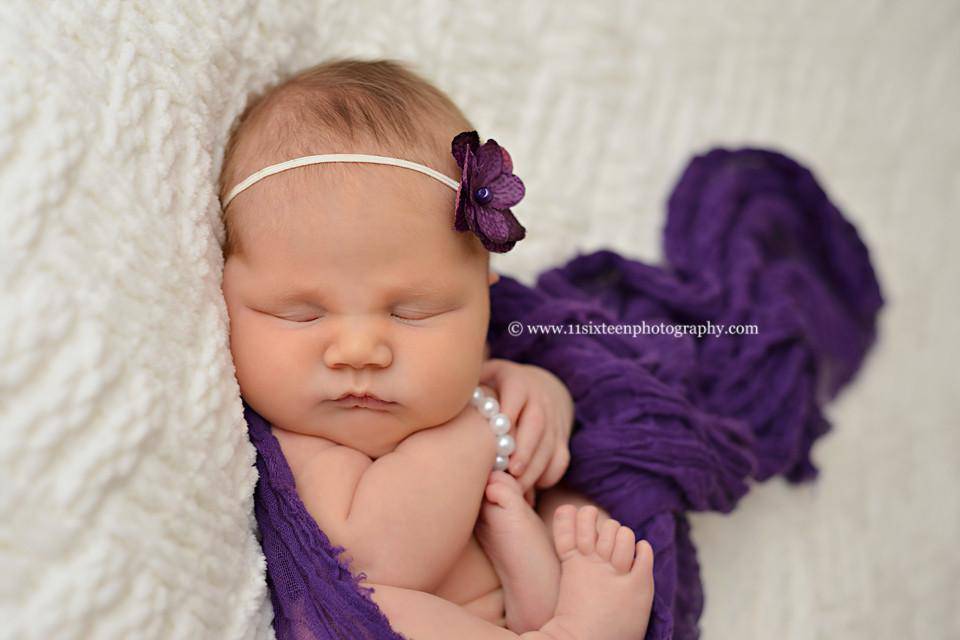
<point x="357" y="288"/>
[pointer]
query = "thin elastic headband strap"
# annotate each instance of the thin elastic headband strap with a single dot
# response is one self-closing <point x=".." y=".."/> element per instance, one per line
<point x="338" y="157"/>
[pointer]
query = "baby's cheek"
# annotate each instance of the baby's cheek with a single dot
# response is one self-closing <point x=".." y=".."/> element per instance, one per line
<point x="271" y="370"/>
<point x="445" y="374"/>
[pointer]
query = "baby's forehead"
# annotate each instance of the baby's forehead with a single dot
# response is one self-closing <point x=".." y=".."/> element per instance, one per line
<point x="377" y="215"/>
<point x="421" y="274"/>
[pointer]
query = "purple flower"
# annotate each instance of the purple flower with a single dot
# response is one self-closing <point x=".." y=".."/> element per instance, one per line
<point x="487" y="190"/>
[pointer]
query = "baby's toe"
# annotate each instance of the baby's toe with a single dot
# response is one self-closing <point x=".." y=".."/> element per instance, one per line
<point x="642" y="570"/>
<point x="643" y="562"/>
<point x="507" y="480"/>
<point x="504" y="490"/>
<point x="564" y="530"/>
<point x="498" y="494"/>
<point x="606" y="538"/>
<point x="623" y="549"/>
<point x="587" y="529"/>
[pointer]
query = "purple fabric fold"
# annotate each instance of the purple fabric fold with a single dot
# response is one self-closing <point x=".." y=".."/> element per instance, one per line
<point x="664" y="424"/>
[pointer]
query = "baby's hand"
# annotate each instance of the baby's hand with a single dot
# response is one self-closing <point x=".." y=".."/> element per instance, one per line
<point x="541" y="410"/>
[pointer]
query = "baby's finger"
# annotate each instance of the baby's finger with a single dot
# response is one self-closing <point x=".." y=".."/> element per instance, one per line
<point x="511" y="390"/>
<point x="494" y="371"/>
<point x="530" y="431"/>
<point x="557" y="467"/>
<point x="539" y="462"/>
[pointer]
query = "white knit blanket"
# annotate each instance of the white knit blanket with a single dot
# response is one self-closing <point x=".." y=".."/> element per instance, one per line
<point x="126" y="475"/>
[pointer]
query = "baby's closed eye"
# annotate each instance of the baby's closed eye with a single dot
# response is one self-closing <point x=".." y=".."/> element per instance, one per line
<point x="408" y="315"/>
<point x="412" y="313"/>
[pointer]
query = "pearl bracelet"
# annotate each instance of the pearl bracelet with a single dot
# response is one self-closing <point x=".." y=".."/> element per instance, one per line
<point x="489" y="408"/>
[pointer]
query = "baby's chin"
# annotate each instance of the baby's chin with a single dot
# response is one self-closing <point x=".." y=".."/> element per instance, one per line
<point x="372" y="432"/>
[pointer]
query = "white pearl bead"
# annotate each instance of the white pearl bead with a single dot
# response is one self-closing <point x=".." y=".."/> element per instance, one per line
<point x="505" y="445"/>
<point x="478" y="397"/>
<point x="490" y="407"/>
<point x="500" y="424"/>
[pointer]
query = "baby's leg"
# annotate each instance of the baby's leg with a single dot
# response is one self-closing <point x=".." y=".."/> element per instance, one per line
<point x="520" y="548"/>
<point x="605" y="591"/>
<point x="518" y="543"/>
<point x="424" y="616"/>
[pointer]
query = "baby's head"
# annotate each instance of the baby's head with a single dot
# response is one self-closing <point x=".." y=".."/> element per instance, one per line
<point x="349" y="278"/>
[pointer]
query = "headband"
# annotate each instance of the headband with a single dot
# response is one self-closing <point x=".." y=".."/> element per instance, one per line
<point x="485" y="192"/>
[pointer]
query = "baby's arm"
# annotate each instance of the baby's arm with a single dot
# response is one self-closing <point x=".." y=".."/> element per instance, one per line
<point x="406" y="517"/>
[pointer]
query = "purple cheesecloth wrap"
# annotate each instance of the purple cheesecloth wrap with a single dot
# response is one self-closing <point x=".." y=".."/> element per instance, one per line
<point x="664" y="424"/>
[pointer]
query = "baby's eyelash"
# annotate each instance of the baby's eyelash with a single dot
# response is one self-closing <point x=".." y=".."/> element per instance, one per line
<point x="408" y="318"/>
<point x="288" y="316"/>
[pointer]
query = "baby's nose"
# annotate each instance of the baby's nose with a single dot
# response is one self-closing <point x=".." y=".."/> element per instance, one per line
<point x="357" y="346"/>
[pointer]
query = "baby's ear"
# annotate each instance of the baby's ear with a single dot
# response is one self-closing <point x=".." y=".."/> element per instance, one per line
<point x="493" y="277"/>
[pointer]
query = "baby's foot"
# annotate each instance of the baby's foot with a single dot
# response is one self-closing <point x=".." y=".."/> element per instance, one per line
<point x="605" y="592"/>
<point x="518" y="544"/>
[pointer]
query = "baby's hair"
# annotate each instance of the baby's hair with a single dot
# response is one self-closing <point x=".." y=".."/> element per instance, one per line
<point x="342" y="105"/>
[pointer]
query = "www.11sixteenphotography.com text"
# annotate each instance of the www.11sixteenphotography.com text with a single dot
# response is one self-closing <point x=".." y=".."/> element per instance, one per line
<point x="643" y="329"/>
